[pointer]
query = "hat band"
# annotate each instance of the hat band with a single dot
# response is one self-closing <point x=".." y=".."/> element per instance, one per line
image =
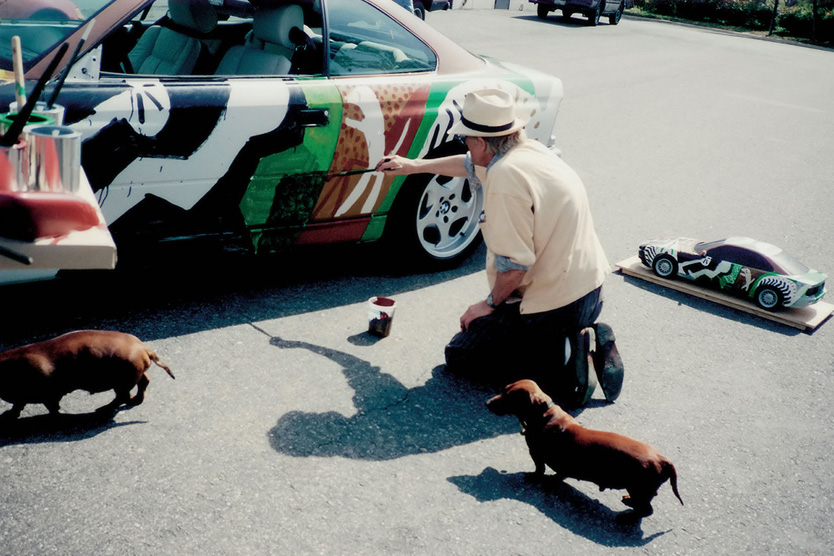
<point x="485" y="128"/>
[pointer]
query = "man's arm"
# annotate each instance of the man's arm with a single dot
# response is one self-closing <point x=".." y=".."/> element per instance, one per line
<point x="452" y="166"/>
<point x="505" y="284"/>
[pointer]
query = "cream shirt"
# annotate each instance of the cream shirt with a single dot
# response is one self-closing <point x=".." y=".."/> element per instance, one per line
<point x="536" y="213"/>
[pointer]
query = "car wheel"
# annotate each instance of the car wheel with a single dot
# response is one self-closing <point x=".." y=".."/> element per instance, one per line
<point x="542" y="11"/>
<point x="768" y="298"/>
<point x="435" y="220"/>
<point x="593" y="17"/>
<point x="665" y="266"/>
<point x="614" y="18"/>
<point x="419" y="10"/>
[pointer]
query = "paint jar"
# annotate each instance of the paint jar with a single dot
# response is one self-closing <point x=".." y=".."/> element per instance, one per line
<point x="8" y="118"/>
<point x="14" y="167"/>
<point x="54" y="158"/>
<point x="380" y="315"/>
<point x="56" y="113"/>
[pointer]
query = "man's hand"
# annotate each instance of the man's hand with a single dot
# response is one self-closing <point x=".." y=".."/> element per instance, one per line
<point x="476" y="311"/>
<point x="394" y="165"/>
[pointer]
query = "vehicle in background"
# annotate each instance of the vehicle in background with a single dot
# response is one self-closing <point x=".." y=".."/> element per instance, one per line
<point x="592" y="9"/>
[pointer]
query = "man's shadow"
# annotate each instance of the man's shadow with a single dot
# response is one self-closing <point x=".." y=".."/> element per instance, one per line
<point x="391" y="421"/>
<point x="560" y="502"/>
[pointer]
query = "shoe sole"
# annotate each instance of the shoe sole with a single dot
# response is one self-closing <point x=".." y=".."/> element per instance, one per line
<point x="607" y="362"/>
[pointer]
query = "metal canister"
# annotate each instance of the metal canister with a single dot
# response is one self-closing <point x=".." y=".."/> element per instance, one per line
<point x="55" y="114"/>
<point x="8" y="118"/>
<point x="14" y="167"/>
<point x="54" y="158"/>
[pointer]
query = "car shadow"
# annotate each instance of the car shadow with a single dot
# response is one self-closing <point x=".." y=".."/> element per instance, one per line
<point x="391" y="420"/>
<point x="64" y="427"/>
<point x="576" y="21"/>
<point x="714" y="308"/>
<point x="186" y="291"/>
<point x="561" y="503"/>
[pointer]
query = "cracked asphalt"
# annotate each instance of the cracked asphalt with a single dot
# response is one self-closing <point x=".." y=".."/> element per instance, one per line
<point x="290" y="430"/>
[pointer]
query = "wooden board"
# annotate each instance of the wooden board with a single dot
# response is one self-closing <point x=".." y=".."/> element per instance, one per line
<point x="806" y="318"/>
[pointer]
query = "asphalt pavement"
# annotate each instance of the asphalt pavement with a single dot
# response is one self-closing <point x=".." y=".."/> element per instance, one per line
<point x="290" y="430"/>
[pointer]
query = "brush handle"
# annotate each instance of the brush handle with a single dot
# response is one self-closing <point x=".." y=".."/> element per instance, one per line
<point x="17" y="63"/>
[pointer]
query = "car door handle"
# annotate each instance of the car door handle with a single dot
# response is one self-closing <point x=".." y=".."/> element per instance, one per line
<point x="313" y="117"/>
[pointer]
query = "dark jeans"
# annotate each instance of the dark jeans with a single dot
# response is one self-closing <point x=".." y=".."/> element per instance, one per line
<point x="506" y="346"/>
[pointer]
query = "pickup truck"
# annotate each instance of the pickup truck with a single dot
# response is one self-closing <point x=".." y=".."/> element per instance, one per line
<point x="592" y="9"/>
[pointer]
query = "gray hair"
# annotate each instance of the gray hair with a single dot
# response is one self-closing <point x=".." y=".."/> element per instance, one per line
<point x="502" y="143"/>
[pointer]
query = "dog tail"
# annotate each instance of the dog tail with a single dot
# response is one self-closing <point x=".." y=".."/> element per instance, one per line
<point x="155" y="358"/>
<point x="670" y="473"/>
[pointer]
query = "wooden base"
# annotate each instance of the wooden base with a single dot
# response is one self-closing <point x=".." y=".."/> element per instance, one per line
<point x="806" y="318"/>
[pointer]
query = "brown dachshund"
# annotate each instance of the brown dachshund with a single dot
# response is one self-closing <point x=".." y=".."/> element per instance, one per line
<point x="91" y="360"/>
<point x="610" y="460"/>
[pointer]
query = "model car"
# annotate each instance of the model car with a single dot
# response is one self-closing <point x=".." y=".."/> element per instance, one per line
<point x="739" y="266"/>
<point x="258" y="123"/>
<point x="592" y="9"/>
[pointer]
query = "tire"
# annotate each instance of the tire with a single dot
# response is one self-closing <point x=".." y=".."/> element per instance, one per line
<point x="419" y="10"/>
<point x="665" y="266"/>
<point x="435" y="219"/>
<point x="593" y="17"/>
<point x="542" y="11"/>
<point x="614" y="18"/>
<point x="769" y="298"/>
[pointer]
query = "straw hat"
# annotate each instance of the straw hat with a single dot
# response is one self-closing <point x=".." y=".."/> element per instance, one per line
<point x="488" y="113"/>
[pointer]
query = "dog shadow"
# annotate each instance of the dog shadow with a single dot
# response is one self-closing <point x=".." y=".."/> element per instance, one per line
<point x="391" y="420"/>
<point x="64" y="427"/>
<point x="560" y="502"/>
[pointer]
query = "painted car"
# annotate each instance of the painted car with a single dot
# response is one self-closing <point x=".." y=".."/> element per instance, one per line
<point x="256" y="124"/>
<point x="592" y="9"/>
<point x="739" y="266"/>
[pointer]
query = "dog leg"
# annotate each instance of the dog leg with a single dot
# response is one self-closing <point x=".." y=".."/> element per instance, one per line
<point x="142" y="385"/>
<point x="12" y="413"/>
<point x="122" y="397"/>
<point x="54" y="406"/>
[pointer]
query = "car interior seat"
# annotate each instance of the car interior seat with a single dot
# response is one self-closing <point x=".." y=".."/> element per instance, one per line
<point x="174" y="51"/>
<point x="269" y="49"/>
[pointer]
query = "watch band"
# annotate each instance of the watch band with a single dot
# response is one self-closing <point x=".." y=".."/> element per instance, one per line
<point x="490" y="302"/>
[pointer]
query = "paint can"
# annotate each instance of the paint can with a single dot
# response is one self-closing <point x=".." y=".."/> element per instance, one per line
<point x="14" y="167"/>
<point x="8" y="118"/>
<point x="54" y="158"/>
<point x="380" y="315"/>
<point x="56" y="113"/>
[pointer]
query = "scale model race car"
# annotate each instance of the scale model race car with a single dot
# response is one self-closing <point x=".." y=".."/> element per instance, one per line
<point x="739" y="266"/>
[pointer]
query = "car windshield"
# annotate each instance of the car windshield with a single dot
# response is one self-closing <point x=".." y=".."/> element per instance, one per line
<point x="41" y="25"/>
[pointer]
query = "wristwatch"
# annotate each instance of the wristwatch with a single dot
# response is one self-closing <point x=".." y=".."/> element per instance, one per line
<point x="490" y="302"/>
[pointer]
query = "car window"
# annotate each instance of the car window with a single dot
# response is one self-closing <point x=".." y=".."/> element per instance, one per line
<point x="364" y="40"/>
<point x="41" y="25"/>
<point x="741" y="256"/>
<point x="219" y="38"/>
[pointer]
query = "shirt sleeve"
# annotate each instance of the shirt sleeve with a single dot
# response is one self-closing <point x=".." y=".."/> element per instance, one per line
<point x="508" y="224"/>
<point x="504" y="264"/>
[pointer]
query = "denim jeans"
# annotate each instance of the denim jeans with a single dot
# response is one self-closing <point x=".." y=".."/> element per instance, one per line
<point x="506" y="346"/>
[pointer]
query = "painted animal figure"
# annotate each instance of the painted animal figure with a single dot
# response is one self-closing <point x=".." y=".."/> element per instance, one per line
<point x="91" y="360"/>
<point x="610" y="460"/>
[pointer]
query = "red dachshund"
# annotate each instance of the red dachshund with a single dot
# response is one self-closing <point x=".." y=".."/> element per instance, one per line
<point x="610" y="460"/>
<point x="91" y="360"/>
